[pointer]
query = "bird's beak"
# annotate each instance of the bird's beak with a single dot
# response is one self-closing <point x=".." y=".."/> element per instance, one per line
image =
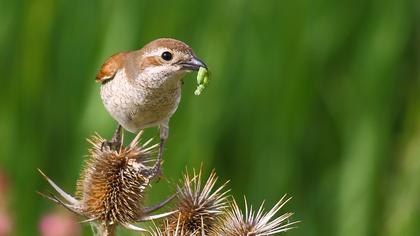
<point x="193" y="64"/>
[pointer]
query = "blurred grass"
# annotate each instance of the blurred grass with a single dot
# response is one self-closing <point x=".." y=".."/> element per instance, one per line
<point x="316" y="99"/>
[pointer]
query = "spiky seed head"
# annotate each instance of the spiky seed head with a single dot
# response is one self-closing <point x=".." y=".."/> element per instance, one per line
<point x="112" y="183"/>
<point x="252" y="223"/>
<point x="199" y="205"/>
<point x="169" y="229"/>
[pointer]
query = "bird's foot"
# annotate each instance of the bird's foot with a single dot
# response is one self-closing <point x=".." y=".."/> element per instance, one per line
<point x="114" y="145"/>
<point x="157" y="169"/>
<point x="157" y="172"/>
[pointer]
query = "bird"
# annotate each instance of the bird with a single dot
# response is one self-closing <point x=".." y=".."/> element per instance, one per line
<point x="142" y="88"/>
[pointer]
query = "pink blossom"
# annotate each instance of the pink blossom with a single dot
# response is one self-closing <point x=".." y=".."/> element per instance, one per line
<point x="59" y="224"/>
<point x="5" y="225"/>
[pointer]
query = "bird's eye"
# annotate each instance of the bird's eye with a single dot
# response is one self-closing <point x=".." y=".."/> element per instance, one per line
<point x="167" y="56"/>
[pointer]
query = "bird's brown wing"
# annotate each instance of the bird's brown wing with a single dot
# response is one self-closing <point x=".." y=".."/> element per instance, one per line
<point x="110" y="67"/>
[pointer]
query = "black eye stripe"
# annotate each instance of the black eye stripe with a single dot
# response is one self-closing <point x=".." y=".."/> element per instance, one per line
<point x="167" y="56"/>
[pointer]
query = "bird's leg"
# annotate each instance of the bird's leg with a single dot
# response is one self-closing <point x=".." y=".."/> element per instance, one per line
<point x="115" y="142"/>
<point x="116" y="138"/>
<point x="164" y="132"/>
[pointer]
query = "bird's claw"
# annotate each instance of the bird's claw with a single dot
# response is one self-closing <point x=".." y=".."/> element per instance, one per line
<point x="157" y="172"/>
<point x="111" y="145"/>
<point x="115" y="143"/>
<point x="159" y="176"/>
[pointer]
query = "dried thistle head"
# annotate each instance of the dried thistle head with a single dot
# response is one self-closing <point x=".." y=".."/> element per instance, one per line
<point x="171" y="229"/>
<point x="199" y="206"/>
<point x="252" y="223"/>
<point x="112" y="185"/>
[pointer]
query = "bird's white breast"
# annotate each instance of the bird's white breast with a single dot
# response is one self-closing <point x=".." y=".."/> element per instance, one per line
<point x="140" y="103"/>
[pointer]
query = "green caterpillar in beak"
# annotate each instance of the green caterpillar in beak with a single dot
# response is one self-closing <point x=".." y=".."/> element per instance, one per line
<point x="202" y="80"/>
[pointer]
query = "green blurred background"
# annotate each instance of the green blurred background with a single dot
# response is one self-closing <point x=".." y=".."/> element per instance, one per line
<point x="317" y="99"/>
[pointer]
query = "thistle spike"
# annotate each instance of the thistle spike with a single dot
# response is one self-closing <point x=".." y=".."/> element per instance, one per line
<point x="237" y="223"/>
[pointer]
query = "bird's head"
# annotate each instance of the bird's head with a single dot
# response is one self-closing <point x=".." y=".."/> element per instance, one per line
<point x="161" y="62"/>
<point x="165" y="58"/>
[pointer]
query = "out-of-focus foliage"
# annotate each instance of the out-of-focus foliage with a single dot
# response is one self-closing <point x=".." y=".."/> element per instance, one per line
<point x="317" y="99"/>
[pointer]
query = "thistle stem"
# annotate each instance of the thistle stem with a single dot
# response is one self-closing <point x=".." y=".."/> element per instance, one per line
<point x="106" y="230"/>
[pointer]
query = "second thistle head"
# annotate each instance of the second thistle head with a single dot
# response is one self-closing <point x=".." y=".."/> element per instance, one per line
<point x="199" y="205"/>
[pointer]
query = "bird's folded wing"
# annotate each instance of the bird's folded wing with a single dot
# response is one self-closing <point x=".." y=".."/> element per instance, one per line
<point x="110" y="67"/>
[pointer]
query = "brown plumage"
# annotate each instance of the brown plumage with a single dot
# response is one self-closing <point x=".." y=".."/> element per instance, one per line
<point x="142" y="88"/>
<point x="110" y="67"/>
